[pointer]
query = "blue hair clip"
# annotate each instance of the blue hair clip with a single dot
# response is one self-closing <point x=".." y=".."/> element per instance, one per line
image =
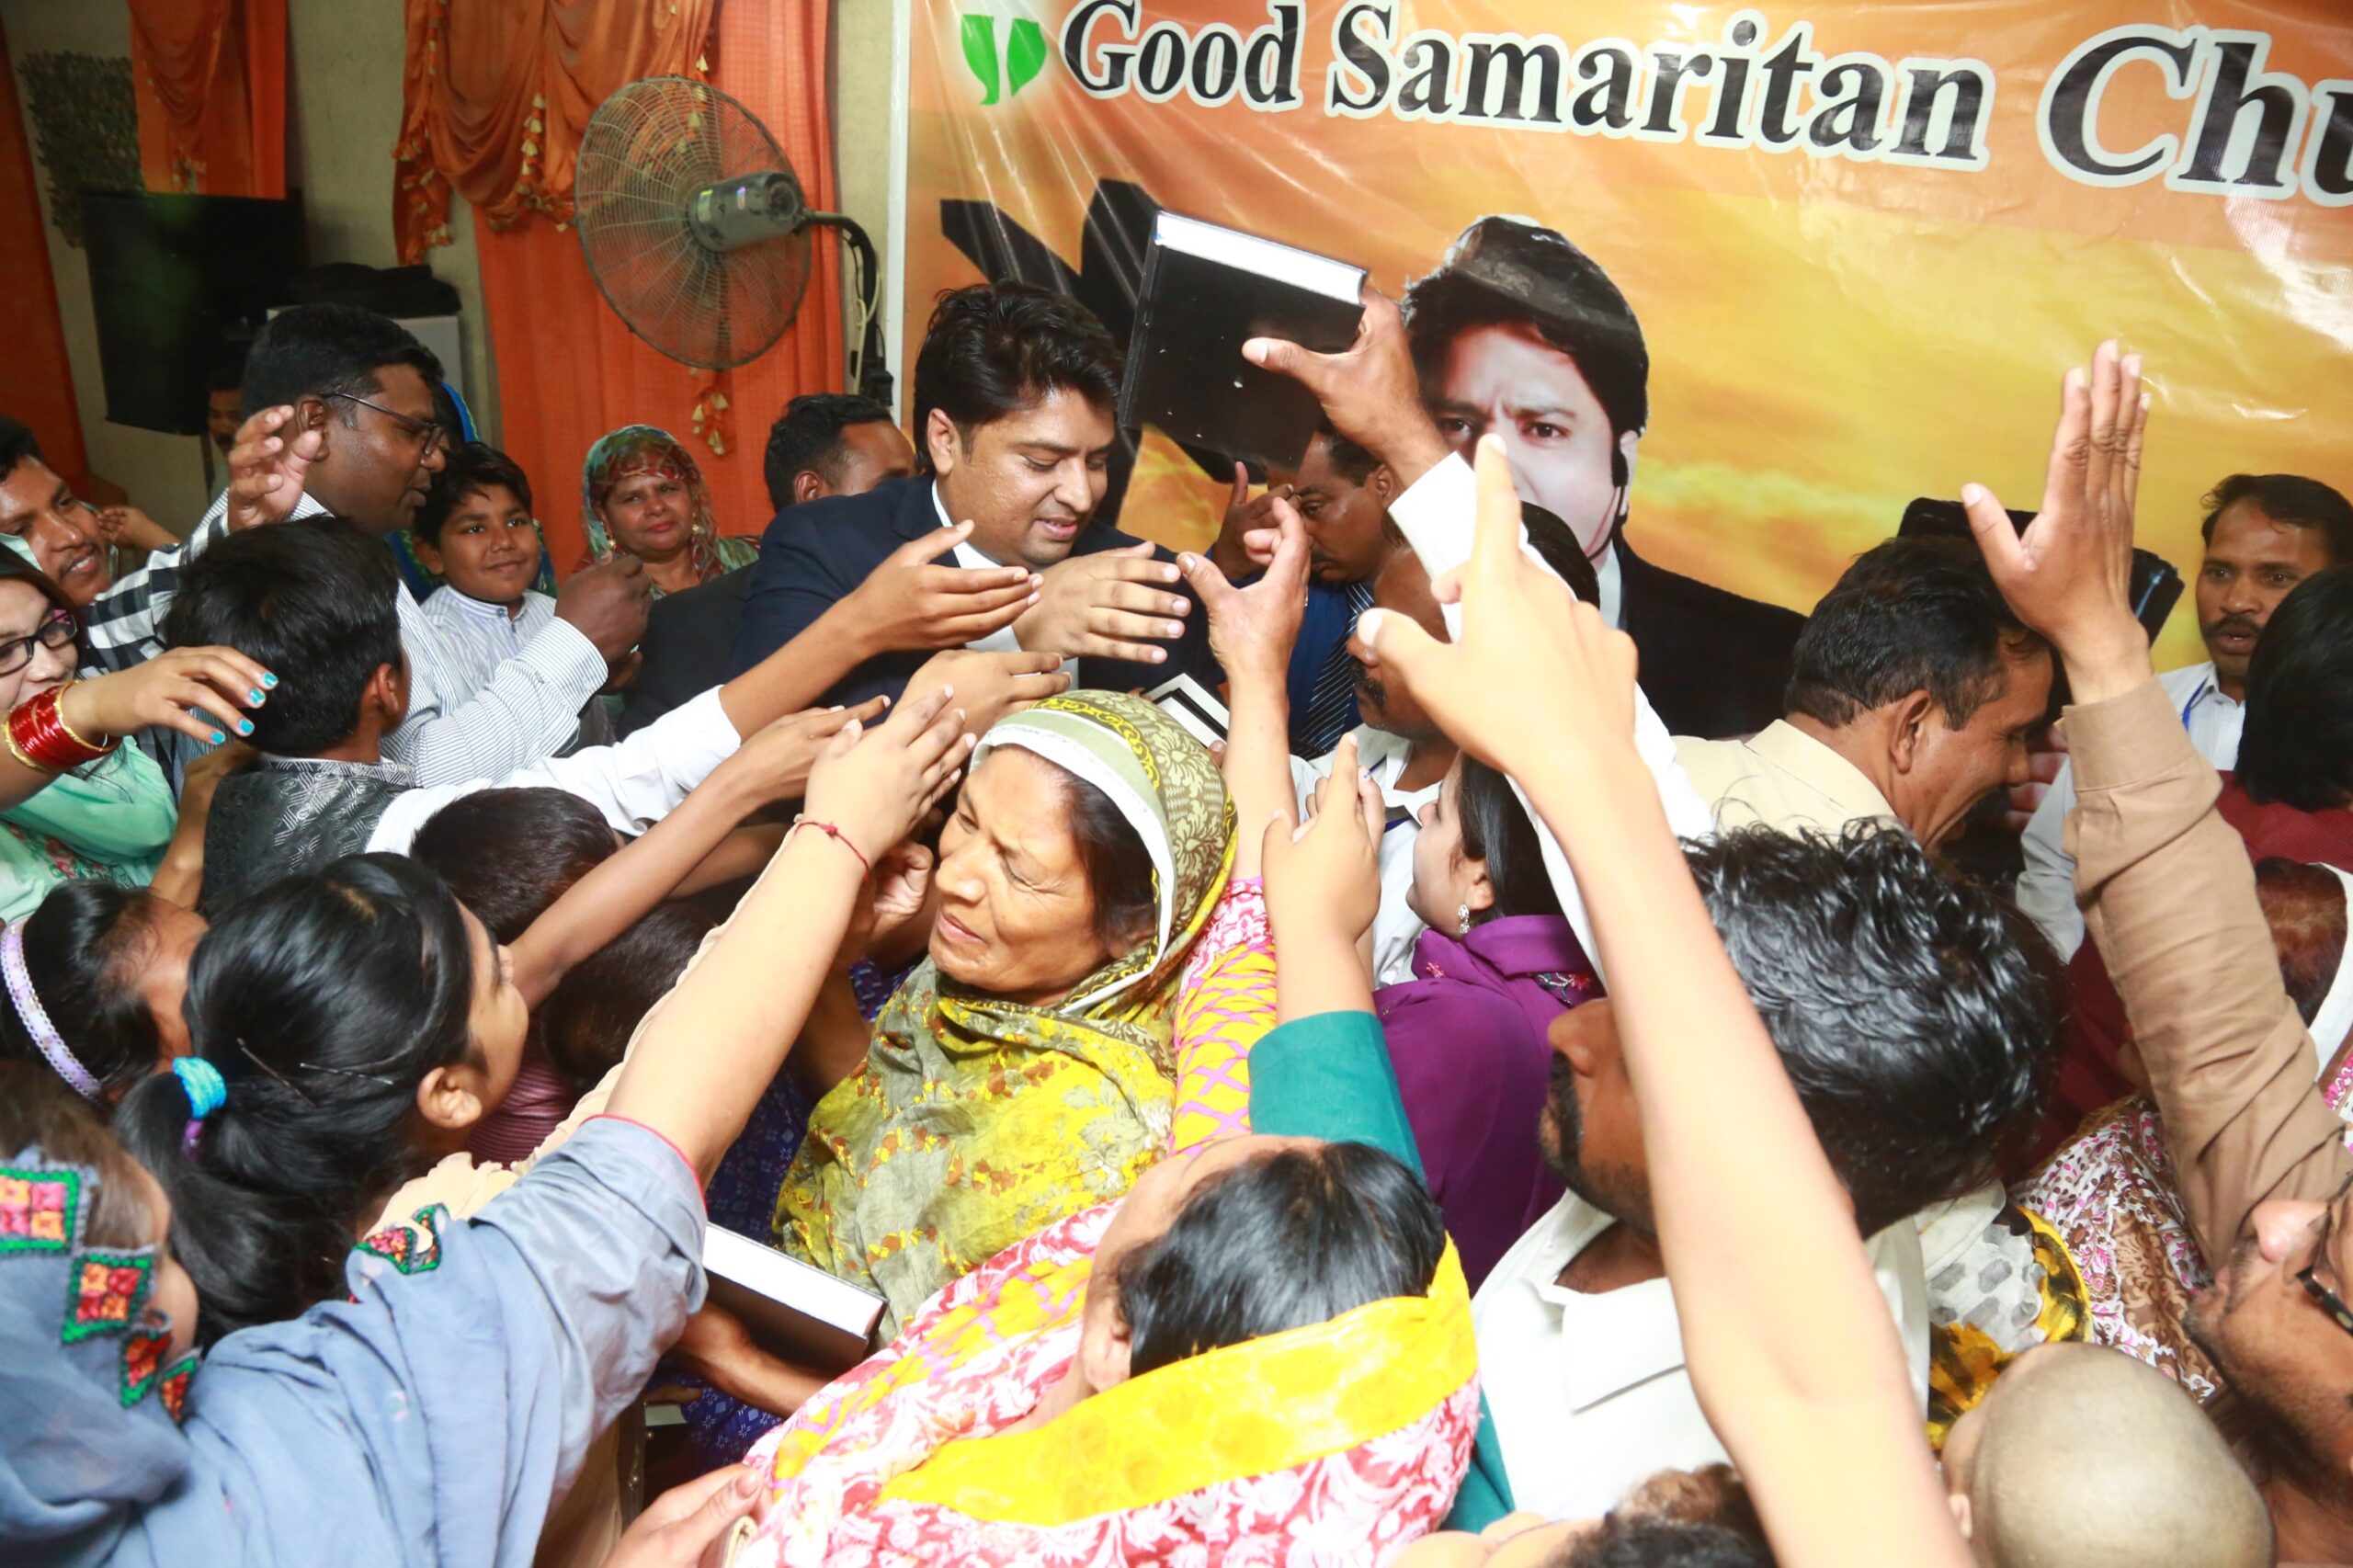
<point x="207" y="1091"/>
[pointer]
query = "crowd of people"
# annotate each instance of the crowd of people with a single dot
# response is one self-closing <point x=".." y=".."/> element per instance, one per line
<point x="1532" y="1094"/>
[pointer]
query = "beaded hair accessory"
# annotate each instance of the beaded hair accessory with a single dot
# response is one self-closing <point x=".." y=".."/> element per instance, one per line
<point x="207" y="1091"/>
<point x="35" y="1017"/>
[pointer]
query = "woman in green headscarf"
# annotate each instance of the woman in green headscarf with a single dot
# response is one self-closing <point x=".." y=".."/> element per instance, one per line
<point x="1026" y="1070"/>
<point x="642" y="494"/>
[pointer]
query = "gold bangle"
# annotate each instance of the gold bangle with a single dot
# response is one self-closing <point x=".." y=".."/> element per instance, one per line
<point x="75" y="736"/>
<point x="9" y="734"/>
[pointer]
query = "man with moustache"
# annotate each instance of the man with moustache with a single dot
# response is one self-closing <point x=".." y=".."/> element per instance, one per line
<point x="2265" y="533"/>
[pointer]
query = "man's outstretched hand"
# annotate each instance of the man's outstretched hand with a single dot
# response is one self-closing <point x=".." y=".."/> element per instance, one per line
<point x="1368" y="390"/>
<point x="2069" y="575"/>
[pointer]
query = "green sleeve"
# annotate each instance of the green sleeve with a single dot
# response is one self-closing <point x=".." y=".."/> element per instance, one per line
<point x="1328" y="1076"/>
<point x="1486" y="1489"/>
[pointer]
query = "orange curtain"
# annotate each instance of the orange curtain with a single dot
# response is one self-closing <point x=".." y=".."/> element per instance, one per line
<point x="210" y="80"/>
<point x="569" y="371"/>
<point x="498" y="91"/>
<point x="39" y="388"/>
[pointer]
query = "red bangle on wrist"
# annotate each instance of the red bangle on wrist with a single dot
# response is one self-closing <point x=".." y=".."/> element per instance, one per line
<point x="39" y="734"/>
<point x="838" y="837"/>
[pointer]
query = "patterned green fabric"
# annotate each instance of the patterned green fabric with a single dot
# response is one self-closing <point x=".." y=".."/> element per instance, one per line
<point x="975" y="1121"/>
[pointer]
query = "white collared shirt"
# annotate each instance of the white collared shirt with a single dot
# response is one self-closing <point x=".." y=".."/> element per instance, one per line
<point x="1001" y="640"/>
<point x="1589" y="1393"/>
<point x="2047" y="887"/>
<point x="1781" y="778"/>
<point x="480" y="636"/>
<point x="1396" y="926"/>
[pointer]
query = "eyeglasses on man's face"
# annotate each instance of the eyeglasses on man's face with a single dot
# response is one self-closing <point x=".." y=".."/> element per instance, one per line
<point x="428" y="433"/>
<point x="2331" y="1303"/>
<point x="58" y="631"/>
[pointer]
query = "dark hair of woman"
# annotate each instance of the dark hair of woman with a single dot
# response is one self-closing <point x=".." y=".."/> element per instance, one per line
<point x="2297" y="748"/>
<point x="1496" y="829"/>
<point x="83" y="948"/>
<point x="586" y="1021"/>
<point x="1350" y="1223"/>
<point x="1118" y="867"/>
<point x="38" y="1111"/>
<point x="323" y="1000"/>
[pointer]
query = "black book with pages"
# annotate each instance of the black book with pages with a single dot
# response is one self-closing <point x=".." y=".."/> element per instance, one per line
<point x="1207" y="291"/>
<point x="796" y="1312"/>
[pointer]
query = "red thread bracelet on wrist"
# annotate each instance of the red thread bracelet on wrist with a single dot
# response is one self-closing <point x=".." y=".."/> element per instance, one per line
<point x="838" y="837"/>
<point x="38" y="732"/>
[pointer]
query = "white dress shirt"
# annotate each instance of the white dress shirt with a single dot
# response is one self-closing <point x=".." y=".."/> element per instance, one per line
<point x="634" y="782"/>
<point x="1438" y="515"/>
<point x="2047" y="887"/>
<point x="478" y="636"/>
<point x="1589" y="1393"/>
<point x="1001" y="640"/>
<point x="455" y="731"/>
<point x="1396" y="926"/>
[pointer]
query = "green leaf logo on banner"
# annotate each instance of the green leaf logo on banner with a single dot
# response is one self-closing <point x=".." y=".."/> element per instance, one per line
<point x="1025" y="54"/>
<point x="980" y="52"/>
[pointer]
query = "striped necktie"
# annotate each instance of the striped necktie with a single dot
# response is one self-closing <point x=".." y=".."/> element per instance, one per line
<point x="1332" y="705"/>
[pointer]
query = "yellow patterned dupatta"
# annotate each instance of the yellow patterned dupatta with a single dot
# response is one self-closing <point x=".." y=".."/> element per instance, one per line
<point x="974" y="1121"/>
<point x="1341" y="1441"/>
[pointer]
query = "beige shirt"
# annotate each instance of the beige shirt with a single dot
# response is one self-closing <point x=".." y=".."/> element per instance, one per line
<point x="1782" y="778"/>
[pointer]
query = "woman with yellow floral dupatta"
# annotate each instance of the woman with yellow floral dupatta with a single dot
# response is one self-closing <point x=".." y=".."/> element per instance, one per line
<point x="1026" y="1070"/>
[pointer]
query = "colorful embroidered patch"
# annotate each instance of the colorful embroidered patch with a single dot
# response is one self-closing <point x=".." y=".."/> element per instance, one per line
<point x="411" y="1248"/>
<point x="106" y="1292"/>
<point x="142" y="1356"/>
<point x="173" y="1390"/>
<point x="37" y="1210"/>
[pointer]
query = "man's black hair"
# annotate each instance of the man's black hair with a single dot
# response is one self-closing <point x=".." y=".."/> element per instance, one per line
<point x="1348" y="460"/>
<point x="508" y="854"/>
<point x="1657" y="1543"/>
<point x="2288" y="498"/>
<point x="586" y="1022"/>
<point x="1917" y="1014"/>
<point x="328" y="352"/>
<point x="808" y="435"/>
<point x="1502" y="272"/>
<point x="310" y="600"/>
<point x="18" y="443"/>
<point x="2296" y="745"/>
<point x="1349" y="1224"/>
<point x="1909" y="615"/>
<point x="471" y="466"/>
<point x="995" y="349"/>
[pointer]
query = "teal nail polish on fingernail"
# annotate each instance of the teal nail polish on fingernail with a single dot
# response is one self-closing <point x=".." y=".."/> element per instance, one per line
<point x="244" y="726"/>
<point x="268" y="679"/>
<point x="255" y="695"/>
<point x="218" y="737"/>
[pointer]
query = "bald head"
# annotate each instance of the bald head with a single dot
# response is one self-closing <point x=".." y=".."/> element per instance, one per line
<point x="2084" y="1457"/>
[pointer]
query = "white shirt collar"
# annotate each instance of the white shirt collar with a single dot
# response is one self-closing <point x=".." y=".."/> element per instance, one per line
<point x="482" y="609"/>
<point x="1611" y="599"/>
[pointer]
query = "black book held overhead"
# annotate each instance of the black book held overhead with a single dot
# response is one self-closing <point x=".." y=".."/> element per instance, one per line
<point x="1207" y="291"/>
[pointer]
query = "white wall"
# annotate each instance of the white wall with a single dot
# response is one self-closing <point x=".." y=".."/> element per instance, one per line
<point x="344" y="65"/>
<point x="863" y="31"/>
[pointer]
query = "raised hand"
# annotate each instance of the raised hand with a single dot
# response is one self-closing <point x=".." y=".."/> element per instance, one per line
<point x="990" y="686"/>
<point x="180" y="690"/>
<point x="1536" y="675"/>
<point x="1246" y="538"/>
<point x="2068" y="576"/>
<point x="873" y="786"/>
<point x="774" y="762"/>
<point x="912" y="601"/>
<point x="1323" y="877"/>
<point x="130" y="526"/>
<point x="1368" y="390"/>
<point x="268" y="465"/>
<point x="1112" y="604"/>
<point x="1253" y="629"/>
<point x="608" y="603"/>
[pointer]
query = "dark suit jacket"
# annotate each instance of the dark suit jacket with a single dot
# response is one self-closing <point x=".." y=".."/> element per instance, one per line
<point x="815" y="553"/>
<point x="689" y="647"/>
<point x="1713" y="664"/>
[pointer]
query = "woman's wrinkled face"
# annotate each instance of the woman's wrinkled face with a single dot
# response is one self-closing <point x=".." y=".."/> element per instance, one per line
<point x="24" y="611"/>
<point x="1016" y="916"/>
<point x="649" y="514"/>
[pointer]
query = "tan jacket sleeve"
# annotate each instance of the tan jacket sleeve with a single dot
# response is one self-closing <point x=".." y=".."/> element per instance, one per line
<point x="2168" y="893"/>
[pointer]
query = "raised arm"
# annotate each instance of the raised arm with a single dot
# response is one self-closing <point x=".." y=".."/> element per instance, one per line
<point x="1251" y="633"/>
<point x="1758" y="1236"/>
<point x="708" y="1051"/>
<point x="2165" y="883"/>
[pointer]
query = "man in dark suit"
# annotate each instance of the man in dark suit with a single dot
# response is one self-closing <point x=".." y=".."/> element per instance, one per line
<point x="1520" y="334"/>
<point x="1015" y="389"/>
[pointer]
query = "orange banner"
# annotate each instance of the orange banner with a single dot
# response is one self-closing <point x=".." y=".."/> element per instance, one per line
<point x="1862" y="240"/>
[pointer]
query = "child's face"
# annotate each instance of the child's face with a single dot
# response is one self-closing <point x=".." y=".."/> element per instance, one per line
<point x="488" y="549"/>
<point x="173" y="1294"/>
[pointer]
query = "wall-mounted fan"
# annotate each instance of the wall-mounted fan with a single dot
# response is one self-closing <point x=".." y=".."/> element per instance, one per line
<point x="695" y="228"/>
